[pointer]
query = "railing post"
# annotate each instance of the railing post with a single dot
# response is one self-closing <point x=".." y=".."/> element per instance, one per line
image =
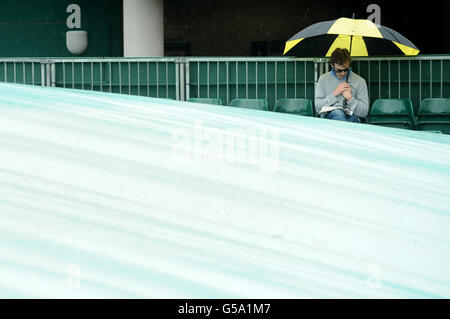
<point x="43" y="77"/>
<point x="316" y="71"/>
<point x="47" y="73"/>
<point x="182" y="85"/>
<point x="53" y="73"/>
<point x="177" y="80"/>
<point x="187" y="79"/>
<point x="318" y="68"/>
<point x="180" y="74"/>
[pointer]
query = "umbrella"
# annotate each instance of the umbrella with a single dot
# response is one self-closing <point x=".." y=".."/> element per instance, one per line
<point x="361" y="37"/>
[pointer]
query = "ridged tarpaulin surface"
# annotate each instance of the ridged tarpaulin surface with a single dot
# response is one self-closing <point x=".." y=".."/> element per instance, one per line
<point x="106" y="195"/>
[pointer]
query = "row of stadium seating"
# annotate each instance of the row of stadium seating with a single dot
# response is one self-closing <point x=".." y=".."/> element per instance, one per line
<point x="434" y="113"/>
<point x="294" y="106"/>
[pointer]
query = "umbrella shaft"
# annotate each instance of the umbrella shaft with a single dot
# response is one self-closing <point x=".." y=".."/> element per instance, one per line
<point x="351" y="39"/>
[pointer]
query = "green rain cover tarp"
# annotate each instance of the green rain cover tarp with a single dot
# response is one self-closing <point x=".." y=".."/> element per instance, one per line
<point x="113" y="196"/>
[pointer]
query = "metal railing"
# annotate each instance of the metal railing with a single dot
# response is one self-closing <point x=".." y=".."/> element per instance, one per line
<point x="227" y="78"/>
<point x="230" y="78"/>
<point x="156" y="77"/>
<point x="24" y="70"/>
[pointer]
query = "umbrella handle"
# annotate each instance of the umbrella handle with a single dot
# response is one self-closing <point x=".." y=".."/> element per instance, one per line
<point x="346" y="80"/>
<point x="351" y="40"/>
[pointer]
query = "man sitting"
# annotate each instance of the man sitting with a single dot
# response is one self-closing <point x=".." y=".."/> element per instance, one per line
<point x="340" y="93"/>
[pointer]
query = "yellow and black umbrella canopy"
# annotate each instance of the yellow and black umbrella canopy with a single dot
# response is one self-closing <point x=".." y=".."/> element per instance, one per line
<point x="360" y="37"/>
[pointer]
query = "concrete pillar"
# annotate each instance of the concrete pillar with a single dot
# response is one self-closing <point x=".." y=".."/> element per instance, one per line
<point x="143" y="28"/>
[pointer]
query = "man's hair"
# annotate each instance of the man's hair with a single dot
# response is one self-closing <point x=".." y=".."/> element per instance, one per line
<point x="340" y="56"/>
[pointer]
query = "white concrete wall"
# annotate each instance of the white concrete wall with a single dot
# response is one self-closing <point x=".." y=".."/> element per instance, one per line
<point x="143" y="28"/>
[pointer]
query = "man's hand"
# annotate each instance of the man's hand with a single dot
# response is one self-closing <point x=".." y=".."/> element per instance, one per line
<point x="347" y="93"/>
<point x="342" y="88"/>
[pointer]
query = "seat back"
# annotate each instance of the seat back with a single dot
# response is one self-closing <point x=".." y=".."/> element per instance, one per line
<point x="397" y="113"/>
<point x="435" y="107"/>
<point x="256" y="104"/>
<point x="205" y="100"/>
<point x="434" y="115"/>
<point x="294" y="106"/>
<point x="390" y="107"/>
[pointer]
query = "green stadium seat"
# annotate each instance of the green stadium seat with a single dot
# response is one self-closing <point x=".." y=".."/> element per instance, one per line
<point x="294" y="106"/>
<point x="256" y="104"/>
<point x="397" y="113"/>
<point x="434" y="115"/>
<point x="206" y="100"/>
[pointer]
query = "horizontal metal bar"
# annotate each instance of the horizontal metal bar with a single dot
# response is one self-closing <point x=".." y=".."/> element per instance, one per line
<point x="403" y="58"/>
<point x="113" y="60"/>
<point x="249" y="59"/>
<point x="10" y="60"/>
<point x="222" y="59"/>
<point x="313" y="59"/>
